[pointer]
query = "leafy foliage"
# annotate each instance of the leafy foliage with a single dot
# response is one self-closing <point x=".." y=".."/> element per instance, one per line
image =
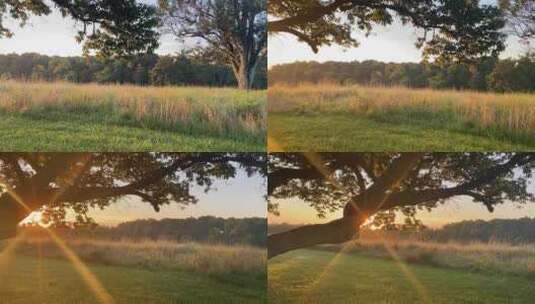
<point x="451" y="29"/>
<point x="331" y="181"/>
<point x="56" y="182"/>
<point x="111" y="28"/>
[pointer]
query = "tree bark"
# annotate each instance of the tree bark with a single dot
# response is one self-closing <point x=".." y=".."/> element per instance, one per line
<point x="245" y="75"/>
<point x="337" y="231"/>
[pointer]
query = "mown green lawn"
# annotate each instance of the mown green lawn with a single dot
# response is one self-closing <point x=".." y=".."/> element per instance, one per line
<point x="56" y="281"/>
<point x="91" y="133"/>
<point x="329" y="132"/>
<point x="313" y="276"/>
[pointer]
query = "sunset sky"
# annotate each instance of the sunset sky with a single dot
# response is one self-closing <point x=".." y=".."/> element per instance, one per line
<point x="294" y="211"/>
<point x="239" y="197"/>
<point x="458" y="209"/>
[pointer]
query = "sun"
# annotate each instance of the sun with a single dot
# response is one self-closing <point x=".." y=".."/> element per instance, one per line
<point x="35" y="217"/>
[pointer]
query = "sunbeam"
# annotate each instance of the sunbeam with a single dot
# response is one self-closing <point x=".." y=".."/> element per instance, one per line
<point x="274" y="144"/>
<point x="90" y="279"/>
<point x="418" y="286"/>
<point x="315" y="160"/>
<point x="6" y="255"/>
<point x="345" y="248"/>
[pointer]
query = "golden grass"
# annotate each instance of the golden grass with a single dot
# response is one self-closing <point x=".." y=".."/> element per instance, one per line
<point x="514" y="113"/>
<point x="213" y="259"/>
<point x="221" y="110"/>
<point x="502" y="257"/>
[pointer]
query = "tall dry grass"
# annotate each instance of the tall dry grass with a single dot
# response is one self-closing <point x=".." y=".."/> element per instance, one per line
<point x="493" y="257"/>
<point x="219" y="110"/>
<point x="511" y="113"/>
<point x="212" y="259"/>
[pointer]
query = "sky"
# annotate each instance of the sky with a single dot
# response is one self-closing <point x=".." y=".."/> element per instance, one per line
<point x="393" y="43"/>
<point x="54" y="35"/>
<point x="295" y="211"/>
<point x="240" y="197"/>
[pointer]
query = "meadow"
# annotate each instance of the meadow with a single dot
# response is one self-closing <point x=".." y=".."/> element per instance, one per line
<point x="133" y="272"/>
<point x="329" y="117"/>
<point x="377" y="271"/>
<point x="39" y="116"/>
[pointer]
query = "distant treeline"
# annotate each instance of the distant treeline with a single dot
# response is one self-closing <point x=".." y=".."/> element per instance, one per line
<point x="490" y="74"/>
<point x="206" y="229"/>
<point x="155" y="70"/>
<point x="512" y="231"/>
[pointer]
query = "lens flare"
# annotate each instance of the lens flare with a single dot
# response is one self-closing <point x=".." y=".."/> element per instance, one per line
<point x="326" y="270"/>
<point x="6" y="255"/>
<point x="90" y="279"/>
<point x="274" y="144"/>
<point x="418" y="286"/>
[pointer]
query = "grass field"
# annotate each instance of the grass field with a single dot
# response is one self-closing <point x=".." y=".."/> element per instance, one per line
<point x="133" y="272"/>
<point x="319" y="276"/>
<point x="355" y="118"/>
<point x="90" y="117"/>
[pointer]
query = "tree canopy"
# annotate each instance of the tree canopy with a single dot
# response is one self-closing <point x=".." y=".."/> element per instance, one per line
<point x="234" y="31"/>
<point x="111" y="28"/>
<point x="450" y="29"/>
<point x="57" y="182"/>
<point x="377" y="185"/>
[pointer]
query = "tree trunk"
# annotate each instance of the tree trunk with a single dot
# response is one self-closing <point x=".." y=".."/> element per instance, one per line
<point x="11" y="214"/>
<point x="337" y="231"/>
<point x="245" y="71"/>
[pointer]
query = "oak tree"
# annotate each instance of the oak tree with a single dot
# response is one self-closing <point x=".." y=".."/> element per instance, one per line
<point x="232" y="30"/>
<point x="381" y="185"/>
<point x="54" y="183"/>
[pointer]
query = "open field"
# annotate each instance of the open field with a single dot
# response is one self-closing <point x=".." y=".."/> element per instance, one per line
<point x="134" y="272"/>
<point x="89" y="117"/>
<point x="321" y="276"/>
<point x="356" y="118"/>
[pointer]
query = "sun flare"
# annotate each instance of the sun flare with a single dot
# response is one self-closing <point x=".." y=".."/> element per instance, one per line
<point x="35" y="217"/>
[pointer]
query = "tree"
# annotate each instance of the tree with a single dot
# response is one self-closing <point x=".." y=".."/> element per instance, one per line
<point x="452" y="29"/>
<point x="112" y="28"/>
<point x="233" y="30"/>
<point x="520" y="17"/>
<point x="56" y="182"/>
<point x="377" y="185"/>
